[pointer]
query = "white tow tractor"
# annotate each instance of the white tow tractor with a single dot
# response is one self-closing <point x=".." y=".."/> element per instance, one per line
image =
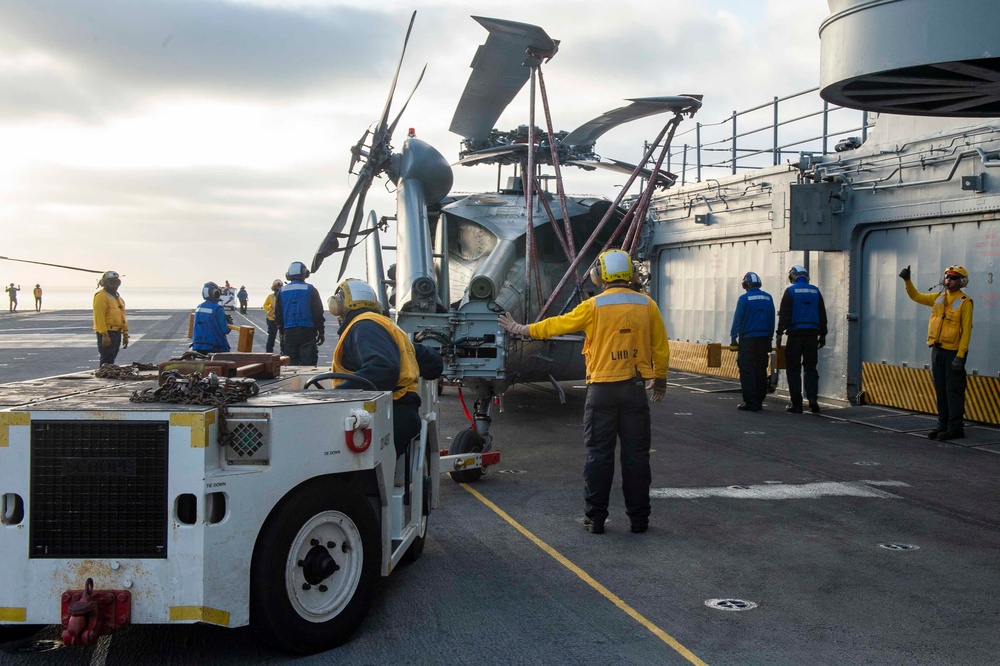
<point x="281" y="512"/>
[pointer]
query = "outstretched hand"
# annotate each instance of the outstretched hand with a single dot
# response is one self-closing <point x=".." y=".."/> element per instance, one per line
<point x="508" y="324"/>
<point x="905" y="273"/>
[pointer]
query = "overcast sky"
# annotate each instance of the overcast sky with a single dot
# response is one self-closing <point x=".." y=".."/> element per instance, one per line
<point x="180" y="141"/>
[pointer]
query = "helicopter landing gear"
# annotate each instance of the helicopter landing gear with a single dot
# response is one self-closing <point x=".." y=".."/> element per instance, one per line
<point x="474" y="440"/>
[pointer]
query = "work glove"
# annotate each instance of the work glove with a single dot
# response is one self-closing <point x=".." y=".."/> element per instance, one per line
<point x="958" y="365"/>
<point x="229" y="319"/>
<point x="320" y="339"/>
<point x="821" y="342"/>
<point x="733" y="342"/>
<point x="659" y="387"/>
<point x="905" y="273"/>
<point x="105" y="340"/>
<point x="507" y="323"/>
<point x="777" y="340"/>
<point x="124" y="340"/>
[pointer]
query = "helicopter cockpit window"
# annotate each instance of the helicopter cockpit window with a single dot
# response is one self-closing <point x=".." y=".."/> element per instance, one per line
<point x="470" y="241"/>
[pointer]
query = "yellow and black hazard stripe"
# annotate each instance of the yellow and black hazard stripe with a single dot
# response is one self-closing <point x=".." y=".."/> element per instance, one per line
<point x="913" y="389"/>
<point x="693" y="357"/>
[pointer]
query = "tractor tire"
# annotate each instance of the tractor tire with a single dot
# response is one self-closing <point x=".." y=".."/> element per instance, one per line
<point x="315" y="568"/>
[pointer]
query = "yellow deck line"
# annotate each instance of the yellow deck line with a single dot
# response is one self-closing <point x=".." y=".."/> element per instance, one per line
<point x="589" y="580"/>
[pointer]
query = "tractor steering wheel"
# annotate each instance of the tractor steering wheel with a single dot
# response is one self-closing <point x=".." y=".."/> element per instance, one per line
<point x="315" y="381"/>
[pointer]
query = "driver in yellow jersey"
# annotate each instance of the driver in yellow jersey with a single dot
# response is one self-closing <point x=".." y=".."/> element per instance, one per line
<point x="626" y="346"/>
<point x="372" y="347"/>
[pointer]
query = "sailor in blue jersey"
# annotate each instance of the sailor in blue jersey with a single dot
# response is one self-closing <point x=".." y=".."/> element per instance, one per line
<point x="298" y="311"/>
<point x="211" y="327"/>
<point x="802" y="314"/>
<point x="753" y="325"/>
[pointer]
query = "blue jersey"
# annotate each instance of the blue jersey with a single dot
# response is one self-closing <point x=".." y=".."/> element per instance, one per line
<point x="210" y="328"/>
<point x="754" y="316"/>
<point x="296" y="305"/>
<point x="802" y="309"/>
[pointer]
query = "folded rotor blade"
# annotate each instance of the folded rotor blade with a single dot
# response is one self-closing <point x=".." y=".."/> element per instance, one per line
<point x="664" y="179"/>
<point x="392" y="127"/>
<point x="498" y="73"/>
<point x="352" y="237"/>
<point x="331" y="243"/>
<point x="491" y="153"/>
<point x="588" y="133"/>
<point x="392" y="89"/>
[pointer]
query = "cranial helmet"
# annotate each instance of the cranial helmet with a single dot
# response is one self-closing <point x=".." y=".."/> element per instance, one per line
<point x="211" y="292"/>
<point x="751" y="281"/>
<point x="796" y="272"/>
<point x="276" y="285"/>
<point x="107" y="278"/>
<point x="611" y="266"/>
<point x="353" y="294"/>
<point x="963" y="275"/>
<point x="297" y="271"/>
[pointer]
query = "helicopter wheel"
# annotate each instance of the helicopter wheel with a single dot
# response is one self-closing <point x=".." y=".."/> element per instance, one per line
<point x="467" y="441"/>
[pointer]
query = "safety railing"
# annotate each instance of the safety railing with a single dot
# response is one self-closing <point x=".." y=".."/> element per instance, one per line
<point x="799" y="123"/>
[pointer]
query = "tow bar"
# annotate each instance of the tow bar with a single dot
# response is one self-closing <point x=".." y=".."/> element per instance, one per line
<point x="88" y="614"/>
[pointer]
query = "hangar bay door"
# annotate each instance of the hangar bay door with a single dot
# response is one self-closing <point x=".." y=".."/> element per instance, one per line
<point x="894" y="355"/>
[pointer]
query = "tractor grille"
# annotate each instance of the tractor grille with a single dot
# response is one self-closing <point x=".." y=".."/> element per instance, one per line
<point x="98" y="489"/>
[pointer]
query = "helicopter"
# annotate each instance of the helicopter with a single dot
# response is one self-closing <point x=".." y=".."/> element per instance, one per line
<point x="462" y="260"/>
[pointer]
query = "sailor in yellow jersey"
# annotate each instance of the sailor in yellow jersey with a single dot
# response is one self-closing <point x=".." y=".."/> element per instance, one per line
<point x="948" y="333"/>
<point x="109" y="318"/>
<point x="626" y="346"/>
<point x="272" y="325"/>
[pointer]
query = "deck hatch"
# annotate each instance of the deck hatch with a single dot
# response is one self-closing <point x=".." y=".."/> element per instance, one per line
<point x="98" y="489"/>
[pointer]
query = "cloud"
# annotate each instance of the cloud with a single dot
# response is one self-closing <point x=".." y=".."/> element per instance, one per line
<point x="106" y="56"/>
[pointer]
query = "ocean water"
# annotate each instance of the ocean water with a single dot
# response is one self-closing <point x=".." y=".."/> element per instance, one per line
<point x="56" y="297"/>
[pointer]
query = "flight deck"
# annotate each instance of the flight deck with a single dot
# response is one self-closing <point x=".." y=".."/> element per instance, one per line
<point x="840" y="538"/>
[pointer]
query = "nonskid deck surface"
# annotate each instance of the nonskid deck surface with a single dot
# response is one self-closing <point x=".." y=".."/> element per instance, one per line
<point x="806" y="516"/>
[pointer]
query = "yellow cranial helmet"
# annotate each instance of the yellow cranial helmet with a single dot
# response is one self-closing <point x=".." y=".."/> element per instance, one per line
<point x="960" y="272"/>
<point x="108" y="278"/>
<point x="353" y="294"/>
<point x="612" y="266"/>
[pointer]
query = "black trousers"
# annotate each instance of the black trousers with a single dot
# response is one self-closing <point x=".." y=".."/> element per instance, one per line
<point x="405" y="423"/>
<point x="243" y="307"/>
<point x="299" y="345"/>
<point x="752" y="356"/>
<point x="272" y="333"/>
<point x="109" y="354"/>
<point x="800" y="357"/>
<point x="949" y="387"/>
<point x="617" y="411"/>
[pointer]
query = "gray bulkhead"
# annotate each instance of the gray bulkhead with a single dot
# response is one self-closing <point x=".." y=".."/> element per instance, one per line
<point x="919" y="191"/>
